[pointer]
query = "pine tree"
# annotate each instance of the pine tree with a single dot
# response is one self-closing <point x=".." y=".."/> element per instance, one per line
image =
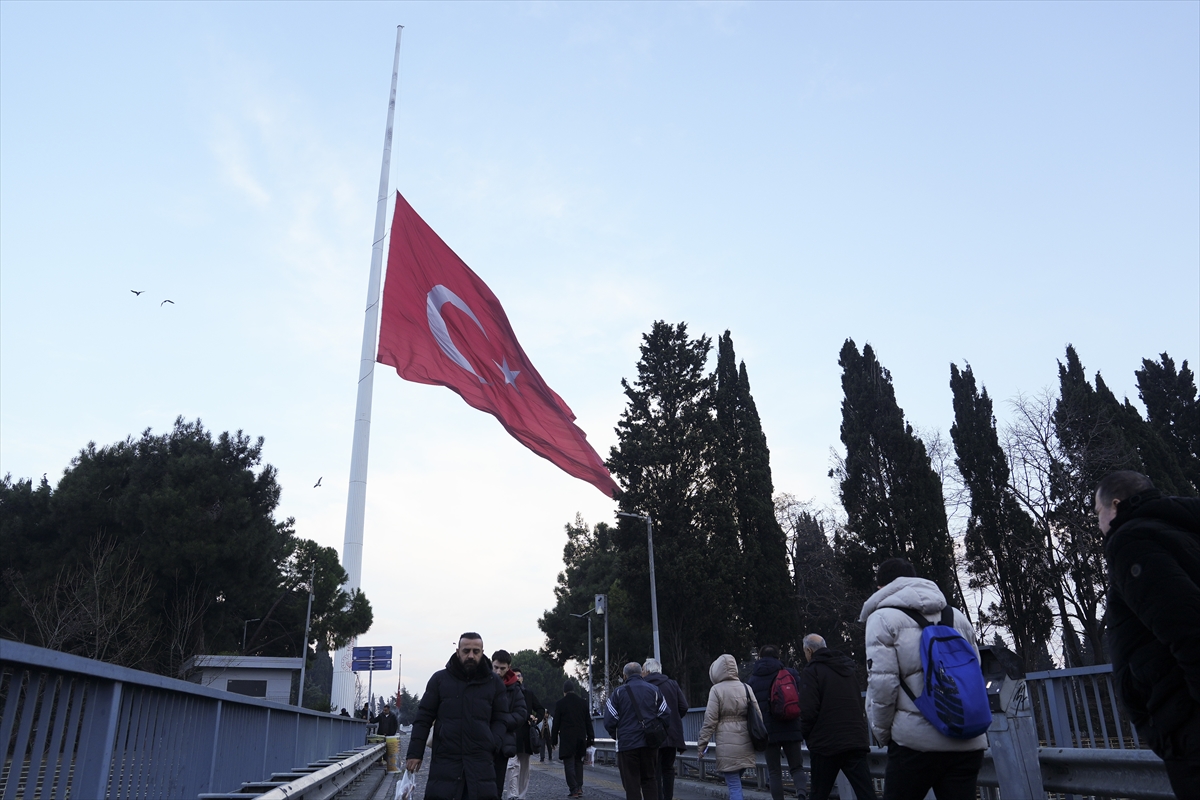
<point x="1172" y="411"/>
<point x="764" y="597"/>
<point x="667" y="443"/>
<point x="891" y="493"/>
<point x="1004" y="550"/>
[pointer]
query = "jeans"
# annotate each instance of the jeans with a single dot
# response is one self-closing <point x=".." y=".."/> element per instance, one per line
<point x="733" y="782"/>
<point x="795" y="759"/>
<point x="852" y="764"/>
<point x="666" y="773"/>
<point x="912" y="773"/>
<point x="638" y="773"/>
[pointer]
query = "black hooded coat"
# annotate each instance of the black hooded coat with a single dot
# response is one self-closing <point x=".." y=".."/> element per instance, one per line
<point x="760" y="680"/>
<point x="470" y="714"/>
<point x="1152" y="550"/>
<point x="831" y="705"/>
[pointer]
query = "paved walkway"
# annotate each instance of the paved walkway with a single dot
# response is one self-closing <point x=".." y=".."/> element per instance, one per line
<point x="546" y="782"/>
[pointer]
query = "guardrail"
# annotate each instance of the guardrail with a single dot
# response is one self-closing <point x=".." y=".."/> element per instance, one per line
<point x="77" y="728"/>
<point x="1078" y="708"/>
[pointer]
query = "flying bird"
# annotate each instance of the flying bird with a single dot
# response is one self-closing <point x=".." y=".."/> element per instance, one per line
<point x="318" y="483"/>
<point x="135" y="291"/>
<point x="164" y="302"/>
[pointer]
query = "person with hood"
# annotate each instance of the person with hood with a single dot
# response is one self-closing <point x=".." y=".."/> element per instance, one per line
<point x="677" y="708"/>
<point x="572" y="734"/>
<point x="919" y="757"/>
<point x="506" y="758"/>
<point x="831" y="716"/>
<point x="729" y="702"/>
<point x="626" y="711"/>
<point x="783" y="736"/>
<point x="469" y="705"/>
<point x="1152" y="550"/>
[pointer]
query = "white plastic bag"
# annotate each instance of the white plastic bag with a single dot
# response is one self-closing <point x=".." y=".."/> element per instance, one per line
<point x="406" y="787"/>
<point x="591" y="756"/>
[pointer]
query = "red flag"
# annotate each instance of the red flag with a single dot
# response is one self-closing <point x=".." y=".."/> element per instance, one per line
<point x="443" y="326"/>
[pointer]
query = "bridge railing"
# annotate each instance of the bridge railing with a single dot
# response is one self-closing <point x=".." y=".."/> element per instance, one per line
<point x="1079" y="708"/>
<point x="72" y="727"/>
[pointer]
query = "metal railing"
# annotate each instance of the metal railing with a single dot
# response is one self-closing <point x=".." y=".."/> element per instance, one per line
<point x="83" y="729"/>
<point x="1079" y="708"/>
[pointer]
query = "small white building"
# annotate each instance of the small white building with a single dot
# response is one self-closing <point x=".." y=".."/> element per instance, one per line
<point x="253" y="676"/>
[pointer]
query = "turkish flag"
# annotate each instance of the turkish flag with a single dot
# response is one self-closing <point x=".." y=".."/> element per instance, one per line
<point x="442" y="325"/>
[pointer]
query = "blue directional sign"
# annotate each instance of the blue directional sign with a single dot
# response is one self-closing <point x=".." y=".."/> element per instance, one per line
<point x="371" y="659"/>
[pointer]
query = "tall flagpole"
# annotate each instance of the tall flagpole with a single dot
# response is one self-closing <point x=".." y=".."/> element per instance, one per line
<point x="342" y="695"/>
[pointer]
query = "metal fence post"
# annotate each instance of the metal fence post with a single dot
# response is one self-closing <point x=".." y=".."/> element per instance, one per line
<point x="99" y="735"/>
<point x="1013" y="739"/>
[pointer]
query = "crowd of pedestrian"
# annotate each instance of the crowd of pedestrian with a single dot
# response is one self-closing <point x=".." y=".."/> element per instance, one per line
<point x="925" y="701"/>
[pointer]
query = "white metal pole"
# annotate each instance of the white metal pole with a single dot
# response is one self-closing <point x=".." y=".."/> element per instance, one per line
<point x="653" y="587"/>
<point x="343" y="677"/>
<point x="304" y="649"/>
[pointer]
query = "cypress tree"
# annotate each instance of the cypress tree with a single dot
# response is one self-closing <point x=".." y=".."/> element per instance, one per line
<point x="891" y="493"/>
<point x="1173" y="413"/>
<point x="667" y="442"/>
<point x="1004" y="550"/>
<point x="765" y="586"/>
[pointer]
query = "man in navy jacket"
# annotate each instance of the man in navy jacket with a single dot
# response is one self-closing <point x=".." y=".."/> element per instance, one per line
<point x="782" y="735"/>
<point x="627" y="708"/>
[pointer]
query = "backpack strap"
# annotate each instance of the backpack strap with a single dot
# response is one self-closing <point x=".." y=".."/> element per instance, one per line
<point x="917" y="616"/>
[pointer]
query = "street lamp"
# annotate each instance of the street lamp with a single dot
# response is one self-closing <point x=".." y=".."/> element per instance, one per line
<point x="244" y="626"/>
<point x="591" y="691"/>
<point x="653" y="587"/>
<point x="602" y="610"/>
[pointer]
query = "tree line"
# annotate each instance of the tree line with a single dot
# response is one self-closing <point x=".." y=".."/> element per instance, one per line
<point x="151" y="550"/>
<point x="1000" y="517"/>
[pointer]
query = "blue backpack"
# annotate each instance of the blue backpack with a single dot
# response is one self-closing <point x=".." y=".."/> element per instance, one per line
<point x="955" y="700"/>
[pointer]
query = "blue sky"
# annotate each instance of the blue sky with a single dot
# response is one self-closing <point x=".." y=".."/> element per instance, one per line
<point x="949" y="182"/>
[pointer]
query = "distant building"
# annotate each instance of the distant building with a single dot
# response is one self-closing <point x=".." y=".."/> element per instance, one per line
<point x="253" y="676"/>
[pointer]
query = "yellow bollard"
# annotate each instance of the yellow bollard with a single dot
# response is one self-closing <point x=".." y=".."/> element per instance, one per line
<point x="392" y="751"/>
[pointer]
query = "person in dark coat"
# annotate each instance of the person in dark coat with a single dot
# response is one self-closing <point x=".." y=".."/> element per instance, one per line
<point x="833" y="721"/>
<point x="1152" y="549"/>
<point x="677" y="708"/>
<point x="572" y="734"/>
<point x="624" y="712"/>
<point x="502" y="666"/>
<point x="783" y="736"/>
<point x="469" y="704"/>
<point x="533" y="714"/>
<point x="388" y="724"/>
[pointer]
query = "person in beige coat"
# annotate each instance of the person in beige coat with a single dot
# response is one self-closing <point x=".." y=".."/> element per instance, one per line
<point x="725" y="716"/>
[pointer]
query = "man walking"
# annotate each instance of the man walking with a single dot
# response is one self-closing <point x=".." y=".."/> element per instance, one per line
<point x="388" y="724"/>
<point x="518" y="769"/>
<point x="628" y="708"/>
<point x="920" y="758"/>
<point x="468" y="703"/>
<point x="506" y="758"/>
<point x="783" y="735"/>
<point x="572" y="733"/>
<point x="677" y="708"/>
<point x="831" y="716"/>
<point x="1152" y="549"/>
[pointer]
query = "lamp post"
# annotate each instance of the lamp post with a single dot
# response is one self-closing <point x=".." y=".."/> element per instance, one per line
<point x="653" y="586"/>
<point x="591" y="691"/>
<point x="244" y="626"/>
<point x="601" y="607"/>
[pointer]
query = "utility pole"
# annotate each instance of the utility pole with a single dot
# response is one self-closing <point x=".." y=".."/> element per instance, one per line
<point x="601" y="607"/>
<point x="304" y="649"/>
<point x="653" y="583"/>
<point x="591" y="690"/>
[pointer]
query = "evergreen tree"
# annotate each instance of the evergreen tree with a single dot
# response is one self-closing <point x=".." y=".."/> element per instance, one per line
<point x="667" y="442"/>
<point x="891" y="493"/>
<point x="1004" y="550"/>
<point x="1173" y="413"/>
<point x="765" y="591"/>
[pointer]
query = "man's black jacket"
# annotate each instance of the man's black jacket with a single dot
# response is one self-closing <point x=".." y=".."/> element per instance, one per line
<point x="760" y="680"/>
<point x="470" y="716"/>
<point x="677" y="708"/>
<point x="628" y="706"/>
<point x="572" y="731"/>
<point x="388" y="724"/>
<point x="516" y="713"/>
<point x="1152" y="550"/>
<point x="534" y="707"/>
<point x="831" y="706"/>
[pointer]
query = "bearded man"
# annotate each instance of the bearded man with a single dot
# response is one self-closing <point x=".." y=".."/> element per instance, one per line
<point x="470" y="706"/>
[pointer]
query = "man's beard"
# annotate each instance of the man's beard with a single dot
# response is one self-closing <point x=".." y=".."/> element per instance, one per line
<point x="470" y="667"/>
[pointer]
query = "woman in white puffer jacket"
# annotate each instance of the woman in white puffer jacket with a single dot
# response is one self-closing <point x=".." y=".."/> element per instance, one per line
<point x="725" y="716"/>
